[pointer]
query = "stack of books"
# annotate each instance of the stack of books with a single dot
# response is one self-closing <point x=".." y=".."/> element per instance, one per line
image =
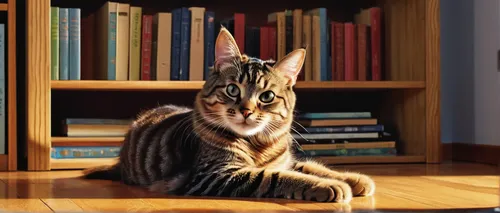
<point x="342" y="134"/>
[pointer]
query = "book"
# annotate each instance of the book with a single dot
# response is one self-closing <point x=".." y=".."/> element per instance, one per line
<point x="134" y="69"/>
<point x="54" y="43"/>
<point x="63" y="44"/>
<point x="84" y="152"/>
<point x="74" y="51"/>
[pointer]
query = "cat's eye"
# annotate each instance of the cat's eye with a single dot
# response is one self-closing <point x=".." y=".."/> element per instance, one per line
<point x="233" y="90"/>
<point x="267" y="96"/>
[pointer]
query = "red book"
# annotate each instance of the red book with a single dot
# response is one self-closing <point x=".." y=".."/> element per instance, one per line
<point x="375" y="42"/>
<point x="239" y="31"/>
<point x="272" y="43"/>
<point x="350" y="52"/>
<point x="264" y="43"/>
<point x="147" y="27"/>
<point x="339" y="51"/>
<point x="88" y="37"/>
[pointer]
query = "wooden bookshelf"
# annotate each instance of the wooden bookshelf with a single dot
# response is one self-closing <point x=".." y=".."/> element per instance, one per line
<point x="196" y="85"/>
<point x="8" y="161"/>
<point x="407" y="97"/>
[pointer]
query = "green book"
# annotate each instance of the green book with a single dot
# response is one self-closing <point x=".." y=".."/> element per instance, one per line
<point x="54" y="43"/>
<point x="135" y="43"/>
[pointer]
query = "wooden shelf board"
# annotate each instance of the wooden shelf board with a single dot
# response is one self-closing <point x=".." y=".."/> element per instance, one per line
<point x="86" y="141"/>
<point x="372" y="159"/>
<point x="80" y="163"/>
<point x="4" y="7"/>
<point x="196" y="85"/>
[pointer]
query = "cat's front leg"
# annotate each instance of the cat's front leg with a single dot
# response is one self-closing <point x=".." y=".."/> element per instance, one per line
<point x="267" y="183"/>
<point x="362" y="185"/>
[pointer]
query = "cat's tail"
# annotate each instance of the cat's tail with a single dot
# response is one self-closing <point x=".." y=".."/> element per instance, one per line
<point x="107" y="172"/>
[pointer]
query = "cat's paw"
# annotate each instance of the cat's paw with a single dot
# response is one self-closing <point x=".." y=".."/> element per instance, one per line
<point x="361" y="185"/>
<point x="329" y="191"/>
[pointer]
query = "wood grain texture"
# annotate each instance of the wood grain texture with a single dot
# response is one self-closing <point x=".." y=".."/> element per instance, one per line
<point x="38" y="84"/>
<point x="409" y="186"/>
<point x="432" y="68"/>
<point x="196" y="85"/>
<point x="7" y="7"/>
<point x="12" y="95"/>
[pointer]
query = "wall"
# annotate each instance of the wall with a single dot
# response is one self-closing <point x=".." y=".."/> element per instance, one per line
<point x="469" y="41"/>
<point x="457" y="64"/>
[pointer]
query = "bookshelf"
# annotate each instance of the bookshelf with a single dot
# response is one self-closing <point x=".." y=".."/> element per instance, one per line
<point x="407" y="97"/>
<point x="8" y="161"/>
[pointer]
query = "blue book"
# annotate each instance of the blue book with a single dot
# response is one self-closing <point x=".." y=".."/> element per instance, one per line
<point x="112" y="46"/>
<point x="334" y="115"/>
<point x="63" y="44"/>
<point x="74" y="44"/>
<point x="323" y="39"/>
<point x="343" y="129"/>
<point x="85" y="152"/>
<point x="185" y="43"/>
<point x="209" y="42"/>
<point x="176" y="44"/>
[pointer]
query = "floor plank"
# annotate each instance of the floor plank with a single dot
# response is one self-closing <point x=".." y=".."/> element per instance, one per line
<point x="399" y="186"/>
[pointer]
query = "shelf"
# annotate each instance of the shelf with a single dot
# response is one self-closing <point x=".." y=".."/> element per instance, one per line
<point x="86" y="141"/>
<point x="4" y="7"/>
<point x="81" y="163"/>
<point x="196" y="85"/>
<point x="372" y="159"/>
<point x="116" y="141"/>
<point x="91" y="162"/>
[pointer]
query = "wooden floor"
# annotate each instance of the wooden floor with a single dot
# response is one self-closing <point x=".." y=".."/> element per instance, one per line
<point x="403" y="186"/>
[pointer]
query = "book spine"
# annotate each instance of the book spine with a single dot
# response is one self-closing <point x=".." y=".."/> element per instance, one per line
<point x="361" y="34"/>
<point x="163" y="46"/>
<point x="84" y="152"/>
<point x="63" y="44"/>
<point x="347" y="135"/>
<point x="3" y="120"/>
<point x="335" y="115"/>
<point x="375" y="41"/>
<point x="333" y="52"/>
<point x="306" y="43"/>
<point x="112" y="46"/>
<point x="88" y="37"/>
<point x="153" y="72"/>
<point x="135" y="44"/>
<point x="75" y="48"/>
<point x="54" y="43"/>
<point x="239" y="30"/>
<point x="185" y="41"/>
<point x="147" y="33"/>
<point x="196" y="43"/>
<point x="344" y="129"/>
<point x="316" y="47"/>
<point x="352" y="152"/>
<point x="272" y="43"/>
<point x="349" y="52"/>
<point x="323" y="35"/>
<point x="176" y="45"/>
<point x="209" y="43"/>
<point x="264" y="43"/>
<point x="288" y="31"/>
<point x="122" y="42"/>
<point x="339" y="51"/>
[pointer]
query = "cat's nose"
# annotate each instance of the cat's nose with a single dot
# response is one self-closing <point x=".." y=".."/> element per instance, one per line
<point x="245" y="112"/>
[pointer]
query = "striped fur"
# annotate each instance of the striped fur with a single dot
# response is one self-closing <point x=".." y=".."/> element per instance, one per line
<point x="234" y="142"/>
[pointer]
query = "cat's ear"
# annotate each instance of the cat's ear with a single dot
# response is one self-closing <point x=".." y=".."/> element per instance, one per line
<point x="226" y="49"/>
<point x="291" y="64"/>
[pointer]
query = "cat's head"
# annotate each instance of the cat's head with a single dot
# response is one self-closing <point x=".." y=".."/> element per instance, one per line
<point x="247" y="95"/>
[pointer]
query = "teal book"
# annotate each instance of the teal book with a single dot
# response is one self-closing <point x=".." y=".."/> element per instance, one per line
<point x="63" y="44"/>
<point x="84" y="152"/>
<point x="112" y="46"/>
<point x="54" y="43"/>
<point x="74" y="44"/>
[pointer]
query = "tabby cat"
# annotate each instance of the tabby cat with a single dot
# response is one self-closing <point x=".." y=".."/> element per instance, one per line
<point x="236" y="140"/>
